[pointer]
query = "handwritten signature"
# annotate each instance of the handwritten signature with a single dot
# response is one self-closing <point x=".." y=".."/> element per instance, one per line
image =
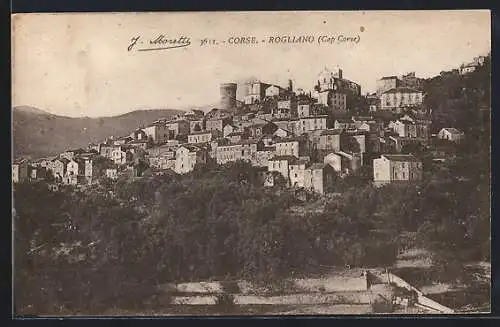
<point x="161" y="42"/>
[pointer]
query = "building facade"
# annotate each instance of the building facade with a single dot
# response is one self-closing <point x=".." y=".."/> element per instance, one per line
<point x="311" y="123"/>
<point x="451" y="134"/>
<point x="186" y="158"/>
<point x="19" y="171"/>
<point x="398" y="99"/>
<point x="200" y="137"/>
<point x="396" y="168"/>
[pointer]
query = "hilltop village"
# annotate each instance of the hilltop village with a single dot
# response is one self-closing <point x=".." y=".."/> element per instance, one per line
<point x="304" y="137"/>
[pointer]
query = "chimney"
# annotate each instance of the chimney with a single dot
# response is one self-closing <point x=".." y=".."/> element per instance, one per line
<point x="290" y="85"/>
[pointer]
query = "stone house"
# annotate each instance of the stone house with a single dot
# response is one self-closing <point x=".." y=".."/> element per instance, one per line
<point x="343" y="162"/>
<point x="329" y="140"/>
<point x="187" y="156"/>
<point x="33" y="172"/>
<point x="201" y="137"/>
<point x="344" y="124"/>
<point x="216" y="124"/>
<point x="112" y="173"/>
<point x="245" y="150"/>
<point x="304" y="109"/>
<point x="408" y="127"/>
<point x="289" y="125"/>
<point x="196" y="125"/>
<point x="138" y="144"/>
<point x="227" y="153"/>
<point x="400" y="98"/>
<point x="259" y="129"/>
<point x="296" y="173"/>
<point x="75" y="167"/>
<point x="123" y="140"/>
<point x="280" y="132"/>
<point x="177" y="127"/>
<point x="95" y="146"/>
<point x="360" y="138"/>
<point x="107" y="151"/>
<point x="236" y="137"/>
<point x="263" y="155"/>
<point x="230" y="128"/>
<point x="281" y="164"/>
<point x="315" y="175"/>
<point x="396" y="168"/>
<point x="119" y="156"/>
<point x="58" y="168"/>
<point x="70" y="154"/>
<point x="19" y="171"/>
<point x="311" y="123"/>
<point x="89" y="170"/>
<point x="139" y="135"/>
<point x="158" y="133"/>
<point x="296" y="146"/>
<point x="451" y="134"/>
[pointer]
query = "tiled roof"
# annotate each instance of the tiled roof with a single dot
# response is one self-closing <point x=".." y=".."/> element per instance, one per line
<point x="201" y="132"/>
<point x="354" y="132"/>
<point x="388" y="77"/>
<point x="236" y="134"/>
<point x="345" y="120"/>
<point x="290" y="139"/>
<point x="63" y="160"/>
<point x="361" y="118"/>
<point x="317" y="116"/>
<point x="331" y="131"/>
<point x="402" y="90"/>
<point x="401" y="157"/>
<point x="190" y="147"/>
<point x="452" y="130"/>
<point x="290" y="159"/>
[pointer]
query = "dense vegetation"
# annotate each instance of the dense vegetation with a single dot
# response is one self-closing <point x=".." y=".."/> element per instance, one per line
<point x="112" y="244"/>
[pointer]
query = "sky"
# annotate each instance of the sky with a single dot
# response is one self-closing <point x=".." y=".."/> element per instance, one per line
<point x="78" y="64"/>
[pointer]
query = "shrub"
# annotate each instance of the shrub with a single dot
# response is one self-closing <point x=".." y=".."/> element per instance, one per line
<point x="225" y="301"/>
<point x="382" y="307"/>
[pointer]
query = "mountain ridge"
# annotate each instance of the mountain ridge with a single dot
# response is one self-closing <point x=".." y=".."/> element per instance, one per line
<point x="39" y="133"/>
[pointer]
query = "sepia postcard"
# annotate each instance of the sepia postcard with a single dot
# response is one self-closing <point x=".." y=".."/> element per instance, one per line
<point x="251" y="163"/>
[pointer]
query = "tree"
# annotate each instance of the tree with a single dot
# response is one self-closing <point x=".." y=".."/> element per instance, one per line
<point x="181" y="138"/>
<point x="349" y="144"/>
<point x="412" y="148"/>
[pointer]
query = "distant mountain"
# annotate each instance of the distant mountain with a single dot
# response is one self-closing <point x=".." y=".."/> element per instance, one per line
<point x="38" y="133"/>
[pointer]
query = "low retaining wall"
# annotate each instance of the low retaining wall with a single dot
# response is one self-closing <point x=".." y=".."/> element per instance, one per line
<point x="296" y="299"/>
<point x="330" y="284"/>
<point x="425" y="301"/>
<point x="333" y="290"/>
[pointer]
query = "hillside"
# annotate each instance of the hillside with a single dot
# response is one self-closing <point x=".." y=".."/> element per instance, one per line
<point x="38" y="133"/>
<point x="456" y="100"/>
